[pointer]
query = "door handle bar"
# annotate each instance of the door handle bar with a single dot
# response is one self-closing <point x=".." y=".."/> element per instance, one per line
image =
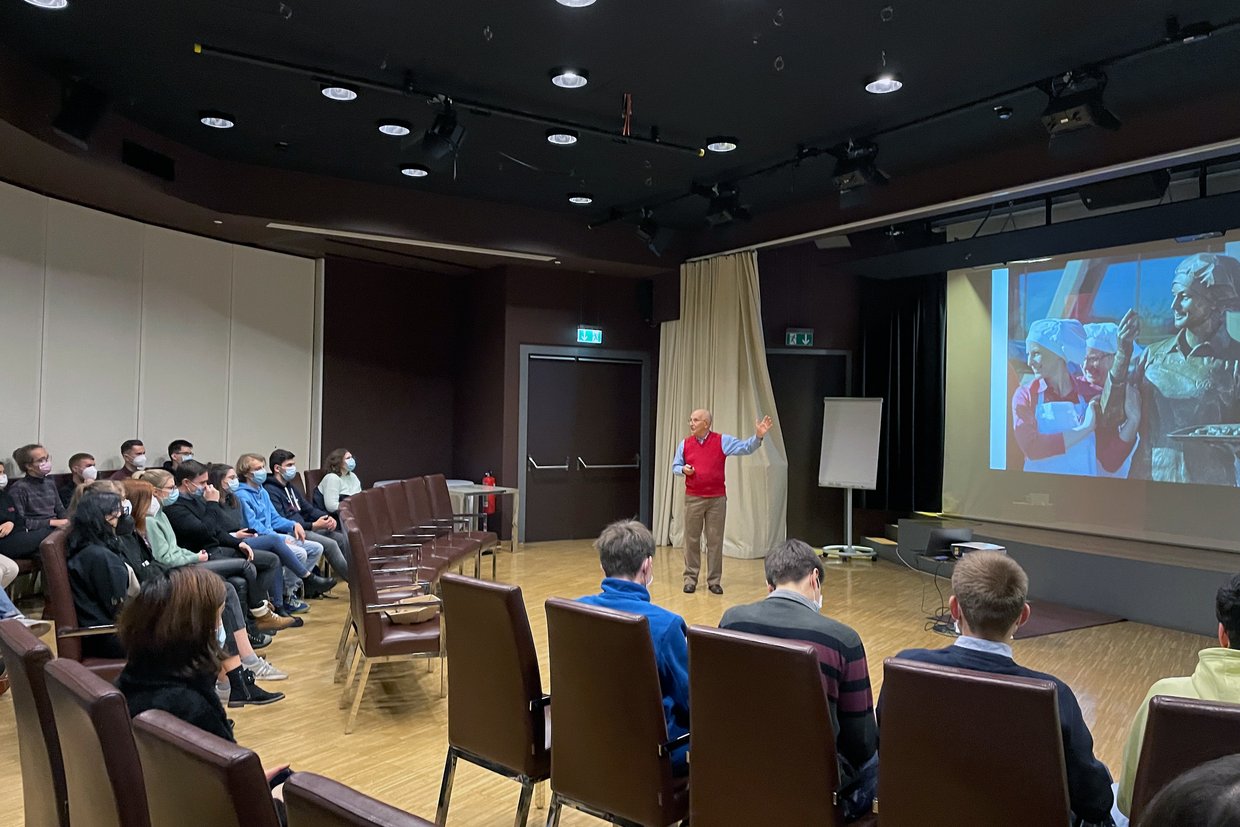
<point x="581" y="464"/>
<point x="537" y="467"/>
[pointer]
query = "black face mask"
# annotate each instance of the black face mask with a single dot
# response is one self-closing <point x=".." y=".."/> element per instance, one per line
<point x="124" y="526"/>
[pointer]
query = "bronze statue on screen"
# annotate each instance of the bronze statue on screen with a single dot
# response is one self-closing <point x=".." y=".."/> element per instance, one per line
<point x="1188" y="383"/>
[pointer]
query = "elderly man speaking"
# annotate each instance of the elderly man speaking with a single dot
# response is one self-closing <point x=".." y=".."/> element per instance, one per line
<point x="700" y="460"/>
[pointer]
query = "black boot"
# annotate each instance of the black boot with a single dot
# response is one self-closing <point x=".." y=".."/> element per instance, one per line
<point x="245" y="692"/>
<point x="313" y="585"/>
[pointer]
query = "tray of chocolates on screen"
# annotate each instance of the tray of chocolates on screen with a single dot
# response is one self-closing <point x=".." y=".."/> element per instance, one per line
<point x="1220" y="434"/>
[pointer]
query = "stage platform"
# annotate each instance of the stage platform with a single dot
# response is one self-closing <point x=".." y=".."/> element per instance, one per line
<point x="1170" y="586"/>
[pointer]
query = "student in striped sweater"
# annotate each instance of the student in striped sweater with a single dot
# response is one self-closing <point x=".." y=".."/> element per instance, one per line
<point x="792" y="610"/>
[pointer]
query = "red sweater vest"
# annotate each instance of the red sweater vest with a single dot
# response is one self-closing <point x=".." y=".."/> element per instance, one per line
<point x="707" y="460"/>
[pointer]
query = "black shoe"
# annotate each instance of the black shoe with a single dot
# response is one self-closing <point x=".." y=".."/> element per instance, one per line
<point x="690" y="588"/>
<point x="716" y="589"/>
<point x="297" y="621"/>
<point x="313" y="585"/>
<point x="248" y="693"/>
<point x="260" y="641"/>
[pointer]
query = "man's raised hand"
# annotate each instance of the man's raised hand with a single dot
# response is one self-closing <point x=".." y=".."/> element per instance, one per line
<point x="763" y="425"/>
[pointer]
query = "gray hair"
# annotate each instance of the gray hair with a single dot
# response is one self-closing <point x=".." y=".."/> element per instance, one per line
<point x="623" y="546"/>
<point x="790" y="562"/>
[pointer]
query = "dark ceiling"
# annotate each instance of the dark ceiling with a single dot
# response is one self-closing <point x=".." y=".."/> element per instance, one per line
<point x="776" y="74"/>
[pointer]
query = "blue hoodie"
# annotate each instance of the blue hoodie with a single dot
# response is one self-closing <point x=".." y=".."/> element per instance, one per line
<point x="259" y="512"/>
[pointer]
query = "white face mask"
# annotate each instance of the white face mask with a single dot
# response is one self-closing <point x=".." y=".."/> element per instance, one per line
<point x="153" y="508"/>
<point x="126" y="507"/>
<point x="818" y="603"/>
<point x="139" y="461"/>
<point x="4" y="481"/>
<point x="89" y="474"/>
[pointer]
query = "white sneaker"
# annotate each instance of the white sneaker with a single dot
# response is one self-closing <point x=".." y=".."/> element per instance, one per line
<point x="38" y="628"/>
<point x="264" y="671"/>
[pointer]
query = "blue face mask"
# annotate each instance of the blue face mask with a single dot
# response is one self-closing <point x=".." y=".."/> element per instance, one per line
<point x="171" y="498"/>
<point x="233" y="485"/>
<point x="289" y="473"/>
<point x="220" y="636"/>
<point x="198" y="489"/>
<point x="259" y="476"/>
<point x="350" y="464"/>
<point x="186" y="457"/>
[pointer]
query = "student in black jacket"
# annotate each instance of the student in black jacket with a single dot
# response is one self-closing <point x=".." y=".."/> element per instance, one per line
<point x="319" y="525"/>
<point x="16" y="541"/>
<point x="98" y="576"/>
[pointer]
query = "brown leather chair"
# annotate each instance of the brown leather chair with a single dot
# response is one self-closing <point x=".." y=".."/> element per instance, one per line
<point x="1180" y="734"/>
<point x="441" y="510"/>
<point x="611" y="754"/>
<point x="782" y="727"/>
<point x="456" y="545"/>
<point x="196" y="779"/>
<point x="60" y="608"/>
<point x="498" y="716"/>
<point x="315" y="801"/>
<point x="102" y="772"/>
<point x="312" y="478"/>
<point x="43" y="771"/>
<point x="965" y="747"/>
<point x="379" y="640"/>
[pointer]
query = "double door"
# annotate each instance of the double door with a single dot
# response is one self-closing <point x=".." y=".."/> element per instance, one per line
<point x="585" y="423"/>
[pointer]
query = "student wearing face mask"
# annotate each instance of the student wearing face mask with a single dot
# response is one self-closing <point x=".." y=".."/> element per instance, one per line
<point x="792" y="610"/>
<point x="35" y="495"/>
<point x="133" y="452"/>
<point x="98" y="575"/>
<point x="340" y="483"/>
<point x="18" y="541"/>
<point x="179" y="450"/>
<point x="81" y="470"/>
<point x="319" y="526"/>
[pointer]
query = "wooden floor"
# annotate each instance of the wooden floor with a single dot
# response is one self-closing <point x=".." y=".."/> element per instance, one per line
<point x="396" y="752"/>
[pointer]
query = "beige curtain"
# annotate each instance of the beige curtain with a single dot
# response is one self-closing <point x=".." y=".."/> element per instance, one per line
<point x="713" y="357"/>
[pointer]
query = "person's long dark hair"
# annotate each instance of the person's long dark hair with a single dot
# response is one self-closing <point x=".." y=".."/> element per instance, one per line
<point x="168" y="628"/>
<point x="90" y="525"/>
<point x="216" y="472"/>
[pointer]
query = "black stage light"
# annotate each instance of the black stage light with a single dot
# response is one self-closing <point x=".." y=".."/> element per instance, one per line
<point x="445" y="135"/>
<point x="1076" y="103"/>
<point x="855" y="166"/>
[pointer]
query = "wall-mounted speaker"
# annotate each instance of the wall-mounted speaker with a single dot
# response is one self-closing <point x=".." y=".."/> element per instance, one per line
<point x="1133" y="189"/>
<point x="81" y="107"/>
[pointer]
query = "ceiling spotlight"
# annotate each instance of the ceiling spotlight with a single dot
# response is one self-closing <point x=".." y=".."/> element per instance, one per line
<point x="1003" y="113"/>
<point x="581" y="199"/>
<point x="721" y="144"/>
<point x="338" y="92"/>
<point x="414" y="170"/>
<point x="1076" y="103"/>
<point x="855" y="166"/>
<point x="567" y="78"/>
<point x="397" y="129"/>
<point x="216" y="120"/>
<point x="445" y="135"/>
<point x="575" y="4"/>
<point x="725" y="203"/>
<point x="884" y="84"/>
<point x="60" y="4"/>
<point x="562" y="137"/>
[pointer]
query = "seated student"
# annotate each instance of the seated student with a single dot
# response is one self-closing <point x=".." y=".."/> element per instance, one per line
<point x="179" y="450"/>
<point x="340" y="483"/>
<point x="317" y="523"/>
<point x="82" y="470"/>
<point x="18" y="541"/>
<point x="626" y="553"/>
<point x="1205" y="796"/>
<point x="792" y="610"/>
<point x="98" y="575"/>
<point x="35" y="495"/>
<point x="989" y="605"/>
<point x="274" y="533"/>
<point x="8" y="573"/>
<point x="133" y="452"/>
<point x="1216" y="678"/>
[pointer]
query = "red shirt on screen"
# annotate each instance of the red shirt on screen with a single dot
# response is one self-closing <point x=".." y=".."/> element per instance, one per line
<point x="1110" y="449"/>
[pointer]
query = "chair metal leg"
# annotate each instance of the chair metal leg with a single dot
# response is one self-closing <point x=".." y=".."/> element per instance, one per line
<point x="445" y="789"/>
<point x="342" y="649"/>
<point x="494" y="554"/>
<point x="540" y="795"/>
<point x="553" y="812"/>
<point x="442" y="671"/>
<point x="523" y="803"/>
<point x="344" y="693"/>
<point x="357" y="699"/>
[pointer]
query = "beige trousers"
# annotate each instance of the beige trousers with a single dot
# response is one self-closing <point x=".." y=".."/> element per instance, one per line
<point x="704" y="513"/>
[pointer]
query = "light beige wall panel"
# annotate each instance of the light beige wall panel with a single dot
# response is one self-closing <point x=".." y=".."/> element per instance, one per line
<point x="186" y="327"/>
<point x="23" y="217"/>
<point x="92" y="333"/>
<point x="271" y="370"/>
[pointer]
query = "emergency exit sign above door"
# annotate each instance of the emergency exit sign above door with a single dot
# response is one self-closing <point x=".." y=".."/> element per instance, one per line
<point x="799" y="337"/>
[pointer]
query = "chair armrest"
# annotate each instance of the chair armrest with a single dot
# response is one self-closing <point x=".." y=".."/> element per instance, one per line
<point x="540" y="703"/>
<point x="398" y="545"/>
<point x="84" y="631"/>
<point x="674" y="744"/>
<point x="379" y="608"/>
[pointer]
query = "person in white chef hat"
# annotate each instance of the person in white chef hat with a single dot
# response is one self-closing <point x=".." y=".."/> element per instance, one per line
<point x="1054" y="416"/>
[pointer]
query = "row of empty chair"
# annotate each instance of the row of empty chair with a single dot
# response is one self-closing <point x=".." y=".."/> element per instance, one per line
<point x="761" y="749"/>
<point x="85" y="763"/>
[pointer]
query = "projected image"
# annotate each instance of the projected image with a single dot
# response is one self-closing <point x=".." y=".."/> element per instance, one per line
<point x="1124" y="366"/>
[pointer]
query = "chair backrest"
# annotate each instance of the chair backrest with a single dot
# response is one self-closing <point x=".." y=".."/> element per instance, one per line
<point x="314" y="476"/>
<point x="397" y="505"/>
<point x="54" y="553"/>
<point x="609" y="720"/>
<point x="1181" y="733"/>
<point x="419" y="499"/>
<point x="967" y="747"/>
<point x="362" y="590"/>
<point x="43" y="771"/>
<point x="380" y="517"/>
<point x="493" y="710"/>
<point x="298" y="483"/>
<point x="102" y="772"/>
<point x="783" y="731"/>
<point x="315" y="801"/>
<point x="197" y="779"/>
<point x="441" y="500"/>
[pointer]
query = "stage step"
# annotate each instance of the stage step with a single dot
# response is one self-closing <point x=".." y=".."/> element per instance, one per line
<point x="874" y="542"/>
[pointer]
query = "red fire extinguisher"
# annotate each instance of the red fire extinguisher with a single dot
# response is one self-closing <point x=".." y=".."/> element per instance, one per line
<point x="489" y="506"/>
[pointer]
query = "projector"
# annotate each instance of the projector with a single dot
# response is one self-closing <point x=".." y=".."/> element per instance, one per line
<point x="961" y="549"/>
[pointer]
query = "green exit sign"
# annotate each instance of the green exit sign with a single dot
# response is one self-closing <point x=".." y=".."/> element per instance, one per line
<point x="799" y="337"/>
<point x="589" y="336"/>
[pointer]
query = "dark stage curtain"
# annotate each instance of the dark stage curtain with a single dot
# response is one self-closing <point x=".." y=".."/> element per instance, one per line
<point x="903" y="347"/>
